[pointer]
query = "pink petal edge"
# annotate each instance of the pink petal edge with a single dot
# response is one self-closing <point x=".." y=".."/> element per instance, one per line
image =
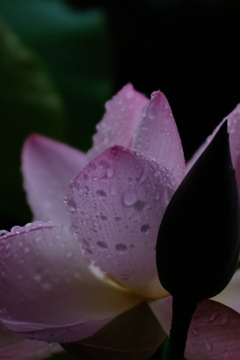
<point x="47" y="291"/>
<point x="48" y="166"/>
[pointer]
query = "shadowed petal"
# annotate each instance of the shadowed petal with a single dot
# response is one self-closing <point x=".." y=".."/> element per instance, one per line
<point x="47" y="291"/>
<point x="122" y="117"/>
<point x="116" y="204"/>
<point x="16" y="347"/>
<point x="230" y="295"/>
<point x="48" y="166"/>
<point x="214" y="331"/>
<point x="158" y="137"/>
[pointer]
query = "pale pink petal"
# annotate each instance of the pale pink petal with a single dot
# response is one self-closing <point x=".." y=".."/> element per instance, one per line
<point x="47" y="291"/>
<point x="48" y="166"/>
<point x="230" y="296"/>
<point x="116" y="204"/>
<point x="234" y="137"/>
<point x="16" y="347"/>
<point x="158" y="137"/>
<point x="121" y="120"/>
<point x="214" y="332"/>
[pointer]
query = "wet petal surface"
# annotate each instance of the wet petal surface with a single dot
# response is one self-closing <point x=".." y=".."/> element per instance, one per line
<point x="47" y="292"/>
<point x="214" y="332"/>
<point x="158" y="137"/>
<point x="48" y="167"/>
<point x="122" y="117"/>
<point x="116" y="204"/>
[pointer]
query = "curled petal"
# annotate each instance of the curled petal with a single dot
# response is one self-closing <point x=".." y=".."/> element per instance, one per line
<point x="116" y="204"/>
<point x="16" y="347"/>
<point x="48" y="166"/>
<point x="158" y="137"/>
<point x="120" y="121"/>
<point x="47" y="291"/>
<point x="214" y="331"/>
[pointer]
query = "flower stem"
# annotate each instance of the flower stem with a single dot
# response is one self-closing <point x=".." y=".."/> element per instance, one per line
<point x="183" y="310"/>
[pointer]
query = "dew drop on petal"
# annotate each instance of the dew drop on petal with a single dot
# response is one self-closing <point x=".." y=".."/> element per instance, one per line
<point x="103" y="218"/>
<point x="118" y="218"/>
<point x="121" y="248"/>
<point x="129" y="198"/>
<point x="71" y="204"/>
<point x="110" y="172"/>
<point x="101" y="194"/>
<point x="102" y="245"/>
<point x="145" y="228"/>
<point x="208" y="345"/>
<point x="139" y="205"/>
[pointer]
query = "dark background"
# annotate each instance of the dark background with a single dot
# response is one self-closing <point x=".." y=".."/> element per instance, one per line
<point x="188" y="49"/>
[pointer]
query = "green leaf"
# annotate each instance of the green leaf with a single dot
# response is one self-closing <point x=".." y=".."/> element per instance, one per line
<point x="75" y="48"/>
<point x="28" y="103"/>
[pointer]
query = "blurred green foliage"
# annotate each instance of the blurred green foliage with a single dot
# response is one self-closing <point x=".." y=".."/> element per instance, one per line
<point x="56" y="74"/>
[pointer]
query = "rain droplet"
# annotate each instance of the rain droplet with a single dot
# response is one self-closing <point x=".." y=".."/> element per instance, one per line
<point x="104" y="164"/>
<point x="3" y="232"/>
<point x="139" y="205"/>
<point x="224" y="319"/>
<point x="118" y="218"/>
<point x="213" y="316"/>
<point x="110" y="172"/>
<point x="145" y="228"/>
<point x="76" y="185"/>
<point x="195" y="331"/>
<point x="102" y="245"/>
<point x="71" y="204"/>
<point x="129" y="198"/>
<point x="121" y="248"/>
<point x="101" y="194"/>
<point x="207" y="344"/>
<point x="69" y="253"/>
<point x="103" y="218"/>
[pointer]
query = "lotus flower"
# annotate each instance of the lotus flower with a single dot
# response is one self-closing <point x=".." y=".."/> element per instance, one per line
<point x="54" y="288"/>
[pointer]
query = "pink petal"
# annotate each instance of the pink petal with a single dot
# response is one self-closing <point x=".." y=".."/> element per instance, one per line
<point x="48" y="167"/>
<point x="120" y="121"/>
<point x="47" y="291"/>
<point x="158" y="137"/>
<point x="234" y="137"/>
<point x="16" y="347"/>
<point x="116" y="204"/>
<point x="214" y="332"/>
<point x="230" y="295"/>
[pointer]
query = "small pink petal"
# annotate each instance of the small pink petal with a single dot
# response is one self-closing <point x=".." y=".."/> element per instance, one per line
<point x="16" y="347"/>
<point x="214" y="331"/>
<point x="234" y="137"/>
<point x="158" y="137"/>
<point x="47" y="291"/>
<point x="116" y="204"/>
<point x="48" y="166"/>
<point x="120" y="121"/>
<point x="230" y="295"/>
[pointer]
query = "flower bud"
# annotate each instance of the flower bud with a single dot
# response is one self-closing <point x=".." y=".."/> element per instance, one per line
<point x="199" y="239"/>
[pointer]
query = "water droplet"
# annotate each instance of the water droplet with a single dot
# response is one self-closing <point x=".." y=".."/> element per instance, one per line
<point x="103" y="218"/>
<point x="85" y="177"/>
<point x="195" y="331"/>
<point x="213" y="316"/>
<point x="4" y="232"/>
<point x="224" y="319"/>
<point x="121" y="248"/>
<point x="139" y="205"/>
<point x="102" y="245"/>
<point x="69" y="253"/>
<point x="104" y="164"/>
<point x="101" y="194"/>
<point x="145" y="228"/>
<point x="71" y="204"/>
<point x="110" y="172"/>
<point x="207" y="344"/>
<point x="129" y="198"/>
<point x="129" y="94"/>
<point x="118" y="218"/>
